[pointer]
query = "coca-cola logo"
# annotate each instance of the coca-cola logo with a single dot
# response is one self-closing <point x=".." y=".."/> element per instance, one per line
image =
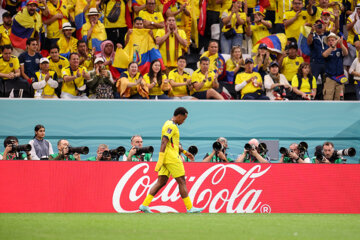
<point x="221" y="188"/>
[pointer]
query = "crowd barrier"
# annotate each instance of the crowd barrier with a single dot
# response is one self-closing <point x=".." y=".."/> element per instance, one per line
<point x="58" y="186"/>
<point x="113" y="122"/>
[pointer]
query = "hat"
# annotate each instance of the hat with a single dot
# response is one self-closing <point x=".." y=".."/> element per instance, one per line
<point x="263" y="46"/>
<point x="43" y="60"/>
<point x="293" y="45"/>
<point x="260" y="9"/>
<point x="324" y="12"/>
<point x="249" y="60"/>
<point x="32" y="1"/>
<point x="329" y="36"/>
<point x="93" y="11"/>
<point x="99" y="59"/>
<point x="274" y="63"/>
<point x="67" y="26"/>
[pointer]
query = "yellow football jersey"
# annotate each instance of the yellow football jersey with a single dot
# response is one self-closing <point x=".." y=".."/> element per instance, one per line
<point x="171" y="132"/>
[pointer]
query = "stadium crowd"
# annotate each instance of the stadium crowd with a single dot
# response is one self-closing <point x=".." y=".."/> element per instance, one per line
<point x="180" y="49"/>
<point x="254" y="151"/>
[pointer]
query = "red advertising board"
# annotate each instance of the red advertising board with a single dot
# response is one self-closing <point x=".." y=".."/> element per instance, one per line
<point x="57" y="186"/>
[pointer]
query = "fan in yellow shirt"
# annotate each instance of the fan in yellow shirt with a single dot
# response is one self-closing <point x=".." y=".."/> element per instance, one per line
<point x="290" y="64"/>
<point x="74" y="78"/>
<point x="9" y="64"/>
<point x="171" y="41"/>
<point x="67" y="43"/>
<point x="180" y="81"/>
<point x="169" y="162"/>
<point x="205" y="82"/>
<point x="157" y="82"/>
<point x="250" y="83"/>
<point x="304" y="83"/>
<point x="295" y="19"/>
<point x="5" y="29"/>
<point x="57" y="63"/>
<point x="152" y="19"/>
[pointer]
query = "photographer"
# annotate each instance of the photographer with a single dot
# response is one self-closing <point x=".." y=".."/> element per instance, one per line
<point x="10" y="154"/>
<point x="253" y="155"/>
<point x="326" y="154"/>
<point x="130" y="156"/>
<point x="218" y="153"/>
<point x="295" y="154"/>
<point x="99" y="154"/>
<point x="63" y="147"/>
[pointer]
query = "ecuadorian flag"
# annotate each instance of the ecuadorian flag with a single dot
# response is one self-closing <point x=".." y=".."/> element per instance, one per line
<point x="23" y="27"/>
<point x="80" y="19"/>
<point x="275" y="43"/>
<point x="141" y="49"/>
<point x="302" y="43"/>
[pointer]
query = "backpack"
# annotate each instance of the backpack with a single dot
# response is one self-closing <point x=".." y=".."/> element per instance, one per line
<point x="104" y="91"/>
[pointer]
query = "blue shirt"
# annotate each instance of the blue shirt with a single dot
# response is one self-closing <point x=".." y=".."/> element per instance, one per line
<point x="334" y="63"/>
<point x="317" y="47"/>
<point x="31" y="63"/>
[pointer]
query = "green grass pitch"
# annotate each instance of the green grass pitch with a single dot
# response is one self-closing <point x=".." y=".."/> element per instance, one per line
<point x="178" y="226"/>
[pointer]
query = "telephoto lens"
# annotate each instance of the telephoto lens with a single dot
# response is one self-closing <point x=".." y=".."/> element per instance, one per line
<point x="217" y="146"/>
<point x="149" y="149"/>
<point x="193" y="150"/>
<point x="80" y="150"/>
<point x="284" y="151"/>
<point x="20" y="148"/>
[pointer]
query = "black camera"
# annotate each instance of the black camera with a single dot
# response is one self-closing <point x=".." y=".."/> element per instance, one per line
<point x="149" y="149"/>
<point x="303" y="147"/>
<point x="262" y="148"/>
<point x="193" y="150"/>
<point x="284" y="151"/>
<point x="20" y="148"/>
<point x="114" y="153"/>
<point x="217" y="146"/>
<point x="80" y="150"/>
<point x="319" y="26"/>
<point x="249" y="147"/>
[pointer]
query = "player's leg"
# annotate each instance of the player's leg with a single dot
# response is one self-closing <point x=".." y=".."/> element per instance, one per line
<point x="161" y="182"/>
<point x="213" y="94"/>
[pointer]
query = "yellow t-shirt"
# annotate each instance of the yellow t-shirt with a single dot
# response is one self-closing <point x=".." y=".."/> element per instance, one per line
<point x="351" y="32"/>
<point x="53" y="29"/>
<point x="59" y="66"/>
<point x="171" y="132"/>
<point x="252" y="3"/>
<point x="155" y="91"/>
<point x="282" y="7"/>
<point x="47" y="91"/>
<point x="133" y="90"/>
<point x="213" y="65"/>
<point x="233" y="22"/>
<point x="69" y="87"/>
<point x="249" y="87"/>
<point x="5" y="35"/>
<point x="9" y="66"/>
<point x="65" y="46"/>
<point x="259" y="31"/>
<point x="88" y="63"/>
<point x="198" y="77"/>
<point x="305" y="85"/>
<point x="120" y="23"/>
<point x="156" y="17"/>
<point x="182" y="90"/>
<point x="163" y="50"/>
<point x="294" y="29"/>
<point x="290" y="67"/>
<point x="98" y="32"/>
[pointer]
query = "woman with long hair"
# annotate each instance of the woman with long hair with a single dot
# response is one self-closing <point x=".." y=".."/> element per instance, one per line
<point x="40" y="148"/>
<point x="304" y="83"/>
<point x="157" y="82"/>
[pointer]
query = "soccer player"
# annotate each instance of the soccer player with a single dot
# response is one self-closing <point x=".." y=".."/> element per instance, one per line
<point x="169" y="162"/>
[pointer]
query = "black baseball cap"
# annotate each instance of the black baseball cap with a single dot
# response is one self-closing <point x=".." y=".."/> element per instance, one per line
<point x="249" y="60"/>
<point x="293" y="45"/>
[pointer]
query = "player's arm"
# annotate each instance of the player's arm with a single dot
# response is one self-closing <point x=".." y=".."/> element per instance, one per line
<point x="164" y="142"/>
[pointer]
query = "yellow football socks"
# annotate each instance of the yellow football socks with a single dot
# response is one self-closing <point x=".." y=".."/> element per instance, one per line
<point x="188" y="203"/>
<point x="148" y="200"/>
